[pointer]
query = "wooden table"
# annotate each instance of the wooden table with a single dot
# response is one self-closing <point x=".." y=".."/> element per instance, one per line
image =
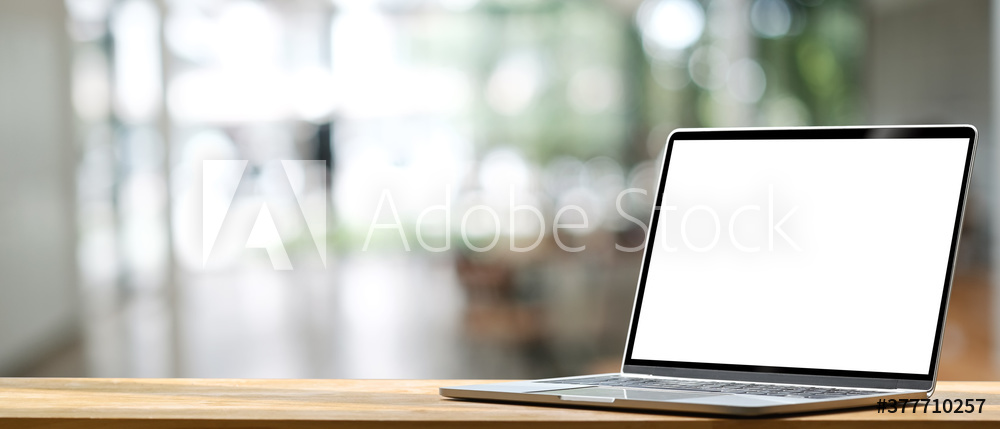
<point x="196" y="403"/>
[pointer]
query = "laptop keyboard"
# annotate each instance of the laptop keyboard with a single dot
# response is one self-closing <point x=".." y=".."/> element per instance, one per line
<point x="722" y="387"/>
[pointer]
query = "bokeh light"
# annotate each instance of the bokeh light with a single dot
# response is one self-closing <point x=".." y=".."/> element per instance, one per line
<point x="671" y="24"/>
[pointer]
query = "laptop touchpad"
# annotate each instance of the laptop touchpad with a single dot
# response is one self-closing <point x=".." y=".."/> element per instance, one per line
<point x="619" y="393"/>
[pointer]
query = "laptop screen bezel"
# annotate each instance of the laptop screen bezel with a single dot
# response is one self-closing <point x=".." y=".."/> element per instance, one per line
<point x="788" y="374"/>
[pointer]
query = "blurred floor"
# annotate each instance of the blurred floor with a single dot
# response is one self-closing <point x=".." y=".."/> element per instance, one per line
<point x="358" y="319"/>
<point x="363" y="317"/>
<point x="968" y="346"/>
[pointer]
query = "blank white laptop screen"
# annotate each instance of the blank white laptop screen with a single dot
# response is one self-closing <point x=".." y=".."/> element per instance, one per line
<point x="818" y="254"/>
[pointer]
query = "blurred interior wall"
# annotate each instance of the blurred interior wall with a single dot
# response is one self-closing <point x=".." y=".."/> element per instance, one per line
<point x="929" y="62"/>
<point x="933" y="62"/>
<point x="994" y="160"/>
<point x="37" y="257"/>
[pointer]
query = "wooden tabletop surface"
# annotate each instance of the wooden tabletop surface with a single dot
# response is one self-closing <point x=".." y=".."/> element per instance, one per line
<point x="213" y="403"/>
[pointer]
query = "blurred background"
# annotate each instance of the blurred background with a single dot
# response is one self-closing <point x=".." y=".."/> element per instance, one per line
<point x="151" y="229"/>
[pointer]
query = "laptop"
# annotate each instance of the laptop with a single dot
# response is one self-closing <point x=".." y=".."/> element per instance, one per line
<point x="785" y="270"/>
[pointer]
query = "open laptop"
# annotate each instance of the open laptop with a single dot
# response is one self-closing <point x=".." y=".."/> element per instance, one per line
<point x="786" y="270"/>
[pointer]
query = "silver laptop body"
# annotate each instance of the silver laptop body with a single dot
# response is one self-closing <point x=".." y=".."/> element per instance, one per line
<point x="786" y="270"/>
